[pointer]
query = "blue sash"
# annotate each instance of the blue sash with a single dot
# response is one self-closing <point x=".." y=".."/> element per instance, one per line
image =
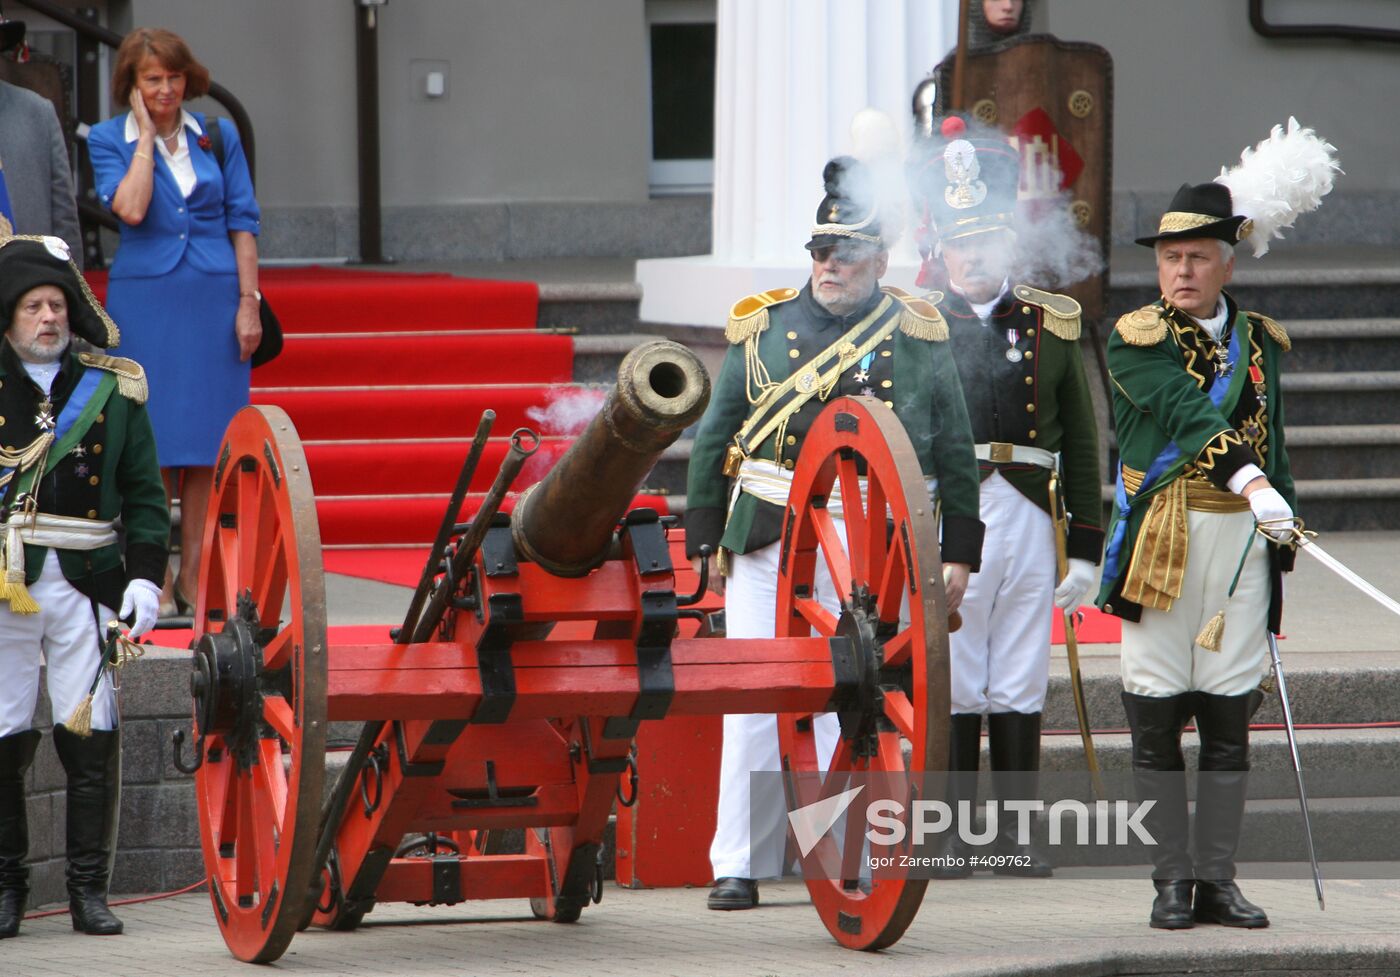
<point x="1167" y="461"/>
<point x="6" y="210"/>
<point x="83" y="394"/>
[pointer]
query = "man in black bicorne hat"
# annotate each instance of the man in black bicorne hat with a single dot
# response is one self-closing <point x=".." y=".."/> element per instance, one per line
<point x="1197" y="404"/>
<point x="76" y="453"/>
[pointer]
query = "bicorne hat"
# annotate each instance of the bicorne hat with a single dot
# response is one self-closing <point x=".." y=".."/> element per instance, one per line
<point x="850" y="210"/>
<point x="11" y="33"/>
<point x="1204" y="210"/>
<point x="28" y="261"/>
<point x="968" y="186"/>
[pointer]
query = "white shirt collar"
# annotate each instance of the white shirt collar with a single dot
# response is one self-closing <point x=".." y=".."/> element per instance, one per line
<point x="186" y="121"/>
<point x="984" y="309"/>
<point x="1214" y="325"/>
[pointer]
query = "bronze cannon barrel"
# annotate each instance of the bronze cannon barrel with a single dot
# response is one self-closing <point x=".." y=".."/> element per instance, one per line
<point x="565" y="523"/>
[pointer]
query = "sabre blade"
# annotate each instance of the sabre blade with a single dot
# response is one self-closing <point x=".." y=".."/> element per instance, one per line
<point x="1347" y="574"/>
<point x="1292" y="735"/>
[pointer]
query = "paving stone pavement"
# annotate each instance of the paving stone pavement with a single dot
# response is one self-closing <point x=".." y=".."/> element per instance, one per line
<point x="982" y="927"/>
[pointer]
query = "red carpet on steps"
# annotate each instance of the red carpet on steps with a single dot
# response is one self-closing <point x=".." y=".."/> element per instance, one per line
<point x="320" y="298"/>
<point x="385" y="376"/>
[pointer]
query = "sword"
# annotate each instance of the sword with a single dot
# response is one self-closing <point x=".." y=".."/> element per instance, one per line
<point x="1076" y="678"/>
<point x="1307" y="545"/>
<point x="1297" y="764"/>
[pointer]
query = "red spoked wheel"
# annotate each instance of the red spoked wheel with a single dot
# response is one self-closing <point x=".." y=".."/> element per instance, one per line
<point x="259" y="685"/>
<point x="883" y="560"/>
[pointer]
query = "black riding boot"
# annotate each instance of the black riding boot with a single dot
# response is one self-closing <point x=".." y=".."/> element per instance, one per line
<point x="1013" y="739"/>
<point x="1159" y="773"/>
<point x="964" y="754"/>
<point x="16" y="754"/>
<point x="1223" y="724"/>
<point x="93" y="764"/>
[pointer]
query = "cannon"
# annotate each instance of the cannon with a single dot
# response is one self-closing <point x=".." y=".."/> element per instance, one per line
<point x="536" y="645"/>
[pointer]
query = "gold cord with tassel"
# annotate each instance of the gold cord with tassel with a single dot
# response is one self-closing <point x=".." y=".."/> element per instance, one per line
<point x="117" y="651"/>
<point x="1213" y="634"/>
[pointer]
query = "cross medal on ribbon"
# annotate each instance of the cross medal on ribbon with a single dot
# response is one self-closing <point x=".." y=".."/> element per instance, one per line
<point x="862" y="375"/>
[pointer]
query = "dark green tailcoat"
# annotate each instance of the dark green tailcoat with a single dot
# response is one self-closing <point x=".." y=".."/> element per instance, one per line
<point x="915" y="377"/>
<point x="1039" y="397"/>
<point x="1162" y="366"/>
<point x="115" y="474"/>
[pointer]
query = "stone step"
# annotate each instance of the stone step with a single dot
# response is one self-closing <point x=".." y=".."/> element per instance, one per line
<point x="1326" y="451"/>
<point x="597" y="357"/>
<point x="1323" y="688"/>
<point x="1359" y="397"/>
<point x="1340" y="345"/>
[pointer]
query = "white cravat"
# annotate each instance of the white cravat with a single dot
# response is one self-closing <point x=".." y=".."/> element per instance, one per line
<point x="984" y="309"/>
<point x="42" y="374"/>
<point x="1215" y="325"/>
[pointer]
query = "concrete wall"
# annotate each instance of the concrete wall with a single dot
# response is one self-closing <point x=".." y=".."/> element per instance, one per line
<point x="546" y="100"/>
<point x="1194" y="85"/>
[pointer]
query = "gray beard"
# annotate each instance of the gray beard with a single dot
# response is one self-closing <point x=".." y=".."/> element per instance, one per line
<point x="31" y="353"/>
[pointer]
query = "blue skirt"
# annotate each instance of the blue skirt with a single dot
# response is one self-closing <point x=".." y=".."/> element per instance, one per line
<point x="180" y="328"/>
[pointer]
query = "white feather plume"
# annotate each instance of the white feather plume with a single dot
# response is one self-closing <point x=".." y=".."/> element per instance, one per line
<point x="1285" y="175"/>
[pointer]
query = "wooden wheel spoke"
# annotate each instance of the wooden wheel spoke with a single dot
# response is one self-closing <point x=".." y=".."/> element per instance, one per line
<point x="270" y="579"/>
<point x="278" y="713"/>
<point x="270" y="755"/>
<point x="900" y="711"/>
<point x="822" y="620"/>
<point x="898" y="649"/>
<point x="249" y="516"/>
<point x="226" y="554"/>
<point x="833" y="551"/>
<point x="894" y="581"/>
<point x="857" y="525"/>
<point x="277" y="652"/>
<point x="245" y="842"/>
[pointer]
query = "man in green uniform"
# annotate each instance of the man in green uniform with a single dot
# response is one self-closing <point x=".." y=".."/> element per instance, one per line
<point x="1023" y="380"/>
<point x="76" y="453"/>
<point x="882" y="343"/>
<point x="1199" y="416"/>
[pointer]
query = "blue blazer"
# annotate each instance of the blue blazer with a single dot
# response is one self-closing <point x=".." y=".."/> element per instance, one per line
<point x="176" y="228"/>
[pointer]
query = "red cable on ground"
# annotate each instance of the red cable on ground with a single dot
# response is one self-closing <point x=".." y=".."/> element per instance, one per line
<point x="127" y="902"/>
<point x="1255" y="727"/>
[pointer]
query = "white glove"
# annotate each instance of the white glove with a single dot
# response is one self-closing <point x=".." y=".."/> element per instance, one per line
<point x="1079" y="577"/>
<point x="1271" y="512"/>
<point x="142" y="597"/>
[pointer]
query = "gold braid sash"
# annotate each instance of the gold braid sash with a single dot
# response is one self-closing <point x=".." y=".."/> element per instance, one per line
<point x="1158" y="564"/>
<point x="805" y="383"/>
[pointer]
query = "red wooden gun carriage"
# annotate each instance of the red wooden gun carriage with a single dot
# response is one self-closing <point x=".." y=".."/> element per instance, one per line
<point x="536" y="646"/>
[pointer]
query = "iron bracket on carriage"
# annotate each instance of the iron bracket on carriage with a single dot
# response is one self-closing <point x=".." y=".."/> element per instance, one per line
<point x="535" y="646"/>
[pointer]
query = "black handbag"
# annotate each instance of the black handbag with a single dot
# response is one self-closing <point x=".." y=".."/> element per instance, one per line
<point x="270" y="346"/>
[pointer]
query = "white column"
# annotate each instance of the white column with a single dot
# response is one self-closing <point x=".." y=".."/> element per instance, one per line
<point x="790" y="76"/>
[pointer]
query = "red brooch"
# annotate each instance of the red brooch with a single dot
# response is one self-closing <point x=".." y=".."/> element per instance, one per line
<point x="204" y="142"/>
<point x="1256" y="375"/>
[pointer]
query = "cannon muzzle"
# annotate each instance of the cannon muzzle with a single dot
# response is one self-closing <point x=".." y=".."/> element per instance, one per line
<point x="565" y="523"/>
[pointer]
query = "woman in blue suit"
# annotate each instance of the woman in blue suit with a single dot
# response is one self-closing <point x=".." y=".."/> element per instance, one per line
<point x="184" y="284"/>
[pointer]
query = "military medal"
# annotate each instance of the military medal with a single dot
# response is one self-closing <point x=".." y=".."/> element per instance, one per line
<point x="81" y="469"/>
<point x="806" y="382"/>
<point x="1014" y="355"/>
<point x="45" y="416"/>
<point x="78" y="451"/>
<point x="867" y="392"/>
<point x="1256" y="377"/>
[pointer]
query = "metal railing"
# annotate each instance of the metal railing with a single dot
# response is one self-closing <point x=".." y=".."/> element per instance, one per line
<point x="1347" y="32"/>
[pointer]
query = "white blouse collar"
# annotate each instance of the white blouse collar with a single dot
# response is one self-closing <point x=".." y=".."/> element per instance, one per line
<point x="186" y="121"/>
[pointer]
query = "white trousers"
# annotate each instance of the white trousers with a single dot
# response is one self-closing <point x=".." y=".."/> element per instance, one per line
<point x="66" y="633"/>
<point x="1160" y="654"/>
<point x="1001" y="654"/>
<point x="751" y="741"/>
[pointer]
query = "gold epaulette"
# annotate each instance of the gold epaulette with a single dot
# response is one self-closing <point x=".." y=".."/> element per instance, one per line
<point x="1145" y="327"/>
<point x="1061" y="311"/>
<point x="749" y="316"/>
<point x="1275" y="331"/>
<point x="920" y="317"/>
<point x="131" y="378"/>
